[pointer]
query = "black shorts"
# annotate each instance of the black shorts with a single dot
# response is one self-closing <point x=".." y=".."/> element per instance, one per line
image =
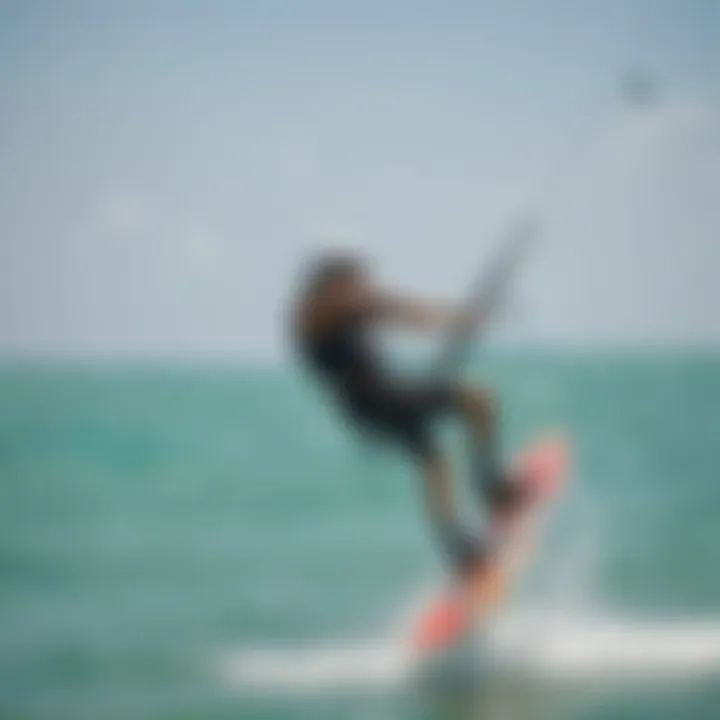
<point x="402" y="413"/>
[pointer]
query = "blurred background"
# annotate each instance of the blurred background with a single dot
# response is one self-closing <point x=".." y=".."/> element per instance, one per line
<point x="185" y="530"/>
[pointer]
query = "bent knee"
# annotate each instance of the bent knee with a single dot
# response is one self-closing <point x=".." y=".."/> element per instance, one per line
<point x="476" y="402"/>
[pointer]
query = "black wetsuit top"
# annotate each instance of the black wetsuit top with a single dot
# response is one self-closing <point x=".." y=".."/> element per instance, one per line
<point x="374" y="399"/>
<point x="345" y="358"/>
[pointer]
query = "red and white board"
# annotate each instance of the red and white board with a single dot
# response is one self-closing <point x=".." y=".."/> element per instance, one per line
<point x="542" y="467"/>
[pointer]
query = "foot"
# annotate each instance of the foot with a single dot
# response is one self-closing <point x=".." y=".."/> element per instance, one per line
<point x="468" y="549"/>
<point x="507" y="496"/>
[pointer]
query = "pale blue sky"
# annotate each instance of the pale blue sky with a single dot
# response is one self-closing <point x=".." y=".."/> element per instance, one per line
<point x="164" y="164"/>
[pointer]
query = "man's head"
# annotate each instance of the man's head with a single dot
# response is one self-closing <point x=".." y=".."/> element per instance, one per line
<point x="337" y="268"/>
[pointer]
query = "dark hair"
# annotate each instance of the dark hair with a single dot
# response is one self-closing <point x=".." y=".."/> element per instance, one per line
<point x="332" y="267"/>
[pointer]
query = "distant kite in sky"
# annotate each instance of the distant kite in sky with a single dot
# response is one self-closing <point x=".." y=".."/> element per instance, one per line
<point x="639" y="89"/>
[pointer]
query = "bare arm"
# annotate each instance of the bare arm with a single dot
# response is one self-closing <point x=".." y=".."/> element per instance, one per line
<point x="416" y="314"/>
<point x="409" y="313"/>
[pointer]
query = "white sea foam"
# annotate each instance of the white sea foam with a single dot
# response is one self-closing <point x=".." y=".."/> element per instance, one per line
<point x="325" y="667"/>
<point x="557" y="647"/>
<point x="616" y="649"/>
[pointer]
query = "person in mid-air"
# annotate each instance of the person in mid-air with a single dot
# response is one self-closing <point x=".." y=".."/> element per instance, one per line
<point x="332" y="319"/>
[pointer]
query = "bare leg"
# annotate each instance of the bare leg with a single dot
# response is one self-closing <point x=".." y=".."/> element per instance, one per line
<point x="464" y="548"/>
<point x="477" y="409"/>
<point x="492" y="483"/>
<point x="438" y="488"/>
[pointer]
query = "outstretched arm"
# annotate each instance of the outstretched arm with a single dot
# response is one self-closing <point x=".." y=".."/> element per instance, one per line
<point x="416" y="314"/>
<point x="410" y="313"/>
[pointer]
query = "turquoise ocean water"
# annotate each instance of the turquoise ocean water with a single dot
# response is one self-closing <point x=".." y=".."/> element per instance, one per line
<point x="188" y="543"/>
